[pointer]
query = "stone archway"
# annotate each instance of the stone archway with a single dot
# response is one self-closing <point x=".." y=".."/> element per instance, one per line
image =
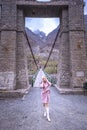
<point x="72" y="59"/>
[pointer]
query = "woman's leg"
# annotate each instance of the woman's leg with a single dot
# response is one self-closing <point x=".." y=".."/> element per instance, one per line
<point x="44" y="109"/>
<point x="47" y="111"/>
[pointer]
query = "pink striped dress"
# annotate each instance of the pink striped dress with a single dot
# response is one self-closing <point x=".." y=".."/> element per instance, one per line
<point x="45" y="94"/>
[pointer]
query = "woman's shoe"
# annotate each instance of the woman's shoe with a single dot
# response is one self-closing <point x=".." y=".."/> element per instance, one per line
<point x="45" y="113"/>
<point x="48" y="119"/>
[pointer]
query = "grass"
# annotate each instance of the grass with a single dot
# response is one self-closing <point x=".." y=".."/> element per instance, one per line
<point x="51" y="70"/>
<point x="51" y="67"/>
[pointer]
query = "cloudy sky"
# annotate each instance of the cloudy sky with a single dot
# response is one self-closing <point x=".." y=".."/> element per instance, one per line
<point x="45" y="24"/>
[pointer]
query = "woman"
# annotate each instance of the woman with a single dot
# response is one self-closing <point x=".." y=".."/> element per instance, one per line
<point x="45" y="95"/>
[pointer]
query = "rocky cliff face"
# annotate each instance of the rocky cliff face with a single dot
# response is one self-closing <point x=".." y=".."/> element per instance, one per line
<point x="41" y="44"/>
<point x="39" y="38"/>
<point x="34" y="39"/>
<point x="51" y="38"/>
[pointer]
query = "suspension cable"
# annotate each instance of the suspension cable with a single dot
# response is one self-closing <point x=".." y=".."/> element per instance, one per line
<point x="52" y="48"/>
<point x="25" y="34"/>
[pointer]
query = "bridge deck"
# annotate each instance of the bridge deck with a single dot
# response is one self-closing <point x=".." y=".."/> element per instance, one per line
<point x="39" y="78"/>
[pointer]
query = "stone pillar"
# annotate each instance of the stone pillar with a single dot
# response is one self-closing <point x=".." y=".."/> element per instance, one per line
<point x="85" y="21"/>
<point x="8" y="44"/>
<point x="22" y="71"/>
<point x="64" y="60"/>
<point x="0" y="34"/>
<point x="77" y="46"/>
<point x="0" y="20"/>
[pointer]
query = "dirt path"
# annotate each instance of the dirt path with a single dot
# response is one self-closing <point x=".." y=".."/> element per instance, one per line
<point x="67" y="112"/>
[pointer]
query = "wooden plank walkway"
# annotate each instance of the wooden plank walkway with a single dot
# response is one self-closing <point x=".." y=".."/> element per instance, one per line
<point x="67" y="112"/>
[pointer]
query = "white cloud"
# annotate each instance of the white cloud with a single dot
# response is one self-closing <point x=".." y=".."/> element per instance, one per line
<point x="33" y="23"/>
<point x="49" y="24"/>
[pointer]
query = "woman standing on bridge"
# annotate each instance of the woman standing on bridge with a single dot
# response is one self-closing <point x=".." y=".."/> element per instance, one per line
<point x="45" y="95"/>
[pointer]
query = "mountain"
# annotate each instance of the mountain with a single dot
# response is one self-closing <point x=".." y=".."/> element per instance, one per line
<point x="51" y="38"/>
<point x="34" y="39"/>
<point x="41" y="34"/>
<point x="41" y="45"/>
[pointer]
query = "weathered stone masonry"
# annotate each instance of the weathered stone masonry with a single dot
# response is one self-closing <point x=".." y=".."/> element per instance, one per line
<point x="72" y="65"/>
<point x="8" y="45"/>
<point x="72" y="69"/>
<point x="77" y="45"/>
<point x="85" y="21"/>
<point x="13" y="67"/>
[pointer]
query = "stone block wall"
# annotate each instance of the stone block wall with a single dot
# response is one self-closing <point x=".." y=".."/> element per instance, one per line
<point x="78" y="65"/>
<point x="64" y="59"/>
<point x="13" y="57"/>
<point x="21" y="55"/>
<point x="13" y="62"/>
<point x="8" y="44"/>
<point x="8" y="59"/>
<point x="9" y="13"/>
<point x="85" y="21"/>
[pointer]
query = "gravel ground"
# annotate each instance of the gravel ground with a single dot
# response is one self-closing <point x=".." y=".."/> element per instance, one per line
<point x="67" y="112"/>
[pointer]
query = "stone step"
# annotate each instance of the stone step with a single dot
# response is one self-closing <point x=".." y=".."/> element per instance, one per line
<point x="76" y="91"/>
<point x="13" y="93"/>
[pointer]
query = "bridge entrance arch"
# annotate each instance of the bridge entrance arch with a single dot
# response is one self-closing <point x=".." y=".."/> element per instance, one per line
<point x="72" y="68"/>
